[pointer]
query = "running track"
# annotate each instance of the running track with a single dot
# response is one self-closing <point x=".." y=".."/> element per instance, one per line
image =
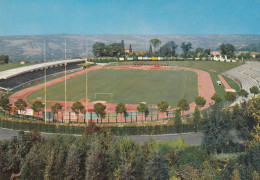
<point x="205" y="88"/>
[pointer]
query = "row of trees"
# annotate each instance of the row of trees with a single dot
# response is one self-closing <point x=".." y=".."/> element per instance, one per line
<point x="167" y="50"/>
<point x="97" y="154"/>
<point x="99" y="108"/>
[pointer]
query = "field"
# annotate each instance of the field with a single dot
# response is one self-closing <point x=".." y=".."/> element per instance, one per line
<point x="203" y="65"/>
<point x="130" y="86"/>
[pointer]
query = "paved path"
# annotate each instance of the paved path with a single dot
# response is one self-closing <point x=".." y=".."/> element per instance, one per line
<point x="189" y="138"/>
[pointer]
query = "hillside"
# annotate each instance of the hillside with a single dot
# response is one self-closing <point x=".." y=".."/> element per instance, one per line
<point x="30" y="48"/>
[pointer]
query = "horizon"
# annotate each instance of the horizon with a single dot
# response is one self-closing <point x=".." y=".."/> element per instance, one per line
<point x="172" y="17"/>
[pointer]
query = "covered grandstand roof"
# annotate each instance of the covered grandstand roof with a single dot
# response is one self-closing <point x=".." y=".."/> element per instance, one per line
<point x="17" y="71"/>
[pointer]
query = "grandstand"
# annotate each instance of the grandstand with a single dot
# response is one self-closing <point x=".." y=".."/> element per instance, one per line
<point x="247" y="75"/>
<point x="17" y="78"/>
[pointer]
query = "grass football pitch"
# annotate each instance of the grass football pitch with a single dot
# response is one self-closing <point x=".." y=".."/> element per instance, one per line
<point x="129" y="86"/>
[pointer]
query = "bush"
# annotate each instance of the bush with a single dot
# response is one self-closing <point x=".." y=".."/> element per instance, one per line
<point x="193" y="155"/>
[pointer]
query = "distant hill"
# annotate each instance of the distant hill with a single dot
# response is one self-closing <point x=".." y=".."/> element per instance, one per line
<point x="251" y="48"/>
<point x="30" y="48"/>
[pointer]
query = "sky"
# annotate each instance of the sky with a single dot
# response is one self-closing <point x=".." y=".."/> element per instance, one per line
<point x="35" y="17"/>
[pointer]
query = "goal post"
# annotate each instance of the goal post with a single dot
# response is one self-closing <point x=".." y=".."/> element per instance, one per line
<point x="103" y="96"/>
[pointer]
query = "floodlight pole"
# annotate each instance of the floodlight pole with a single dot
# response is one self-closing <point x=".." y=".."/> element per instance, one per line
<point x="87" y="95"/>
<point x="65" y="65"/>
<point x="45" y="92"/>
<point x="86" y="87"/>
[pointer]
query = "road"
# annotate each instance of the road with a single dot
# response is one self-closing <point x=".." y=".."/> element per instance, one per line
<point x="190" y="138"/>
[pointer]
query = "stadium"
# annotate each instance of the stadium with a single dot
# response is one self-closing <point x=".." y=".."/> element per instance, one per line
<point x="128" y="82"/>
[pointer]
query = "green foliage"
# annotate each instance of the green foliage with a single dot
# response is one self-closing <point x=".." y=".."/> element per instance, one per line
<point x="155" y="43"/>
<point x="216" y="97"/>
<point x="4" y="59"/>
<point x="193" y="155"/>
<point x="100" y="160"/>
<point x="56" y="107"/>
<point x="34" y="164"/>
<point x="99" y="108"/>
<point x="20" y="104"/>
<point x="142" y="108"/>
<point x="157" y="167"/>
<point x="230" y="96"/>
<point x="37" y="106"/>
<point x="5" y="104"/>
<point x="216" y="129"/>
<point x="228" y="50"/>
<point x="243" y="93"/>
<point x="197" y="118"/>
<point x="14" y="151"/>
<point x="254" y="90"/>
<point x="131" y="160"/>
<point x="163" y="106"/>
<point x="168" y="49"/>
<point x="77" y="107"/>
<point x="200" y="101"/>
<point x="120" y="108"/>
<point x="177" y="120"/>
<point x="183" y="105"/>
<point x="98" y="49"/>
<point x="246" y="118"/>
<point x="186" y="47"/>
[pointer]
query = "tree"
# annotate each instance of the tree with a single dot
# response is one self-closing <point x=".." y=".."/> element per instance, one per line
<point x="200" y="101"/>
<point x="122" y="50"/>
<point x="199" y="50"/>
<point x="73" y="163"/>
<point x="155" y="43"/>
<point x="177" y="119"/>
<point x="157" y="167"/>
<point x="186" y="48"/>
<point x="163" y="106"/>
<point x="130" y="48"/>
<point x="227" y="50"/>
<point x="246" y="118"/>
<point x="150" y="50"/>
<point x="98" y="49"/>
<point x="4" y="59"/>
<point x="216" y="129"/>
<point x="142" y="108"/>
<point x="77" y="107"/>
<point x="37" y="106"/>
<point x="196" y="118"/>
<point x="168" y="49"/>
<point x="243" y="93"/>
<point x="55" y="108"/>
<point x="216" y="97"/>
<point x="99" y="108"/>
<point x="113" y="49"/>
<point x="254" y="90"/>
<point x="183" y="105"/>
<point x="5" y="104"/>
<point x="230" y="96"/>
<point x="120" y="108"/>
<point x="207" y="52"/>
<point x="20" y="104"/>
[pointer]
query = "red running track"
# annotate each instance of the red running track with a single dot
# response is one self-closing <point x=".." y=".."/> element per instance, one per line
<point x="205" y="88"/>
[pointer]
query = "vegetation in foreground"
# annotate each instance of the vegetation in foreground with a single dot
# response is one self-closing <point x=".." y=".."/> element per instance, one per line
<point x="97" y="154"/>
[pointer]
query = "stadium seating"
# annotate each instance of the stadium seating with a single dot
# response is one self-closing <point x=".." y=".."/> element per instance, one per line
<point x="22" y="80"/>
<point x="247" y="75"/>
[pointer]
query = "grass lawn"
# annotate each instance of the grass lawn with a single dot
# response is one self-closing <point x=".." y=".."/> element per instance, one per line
<point x="12" y="65"/>
<point x="208" y="66"/>
<point x="203" y="65"/>
<point x="128" y="86"/>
